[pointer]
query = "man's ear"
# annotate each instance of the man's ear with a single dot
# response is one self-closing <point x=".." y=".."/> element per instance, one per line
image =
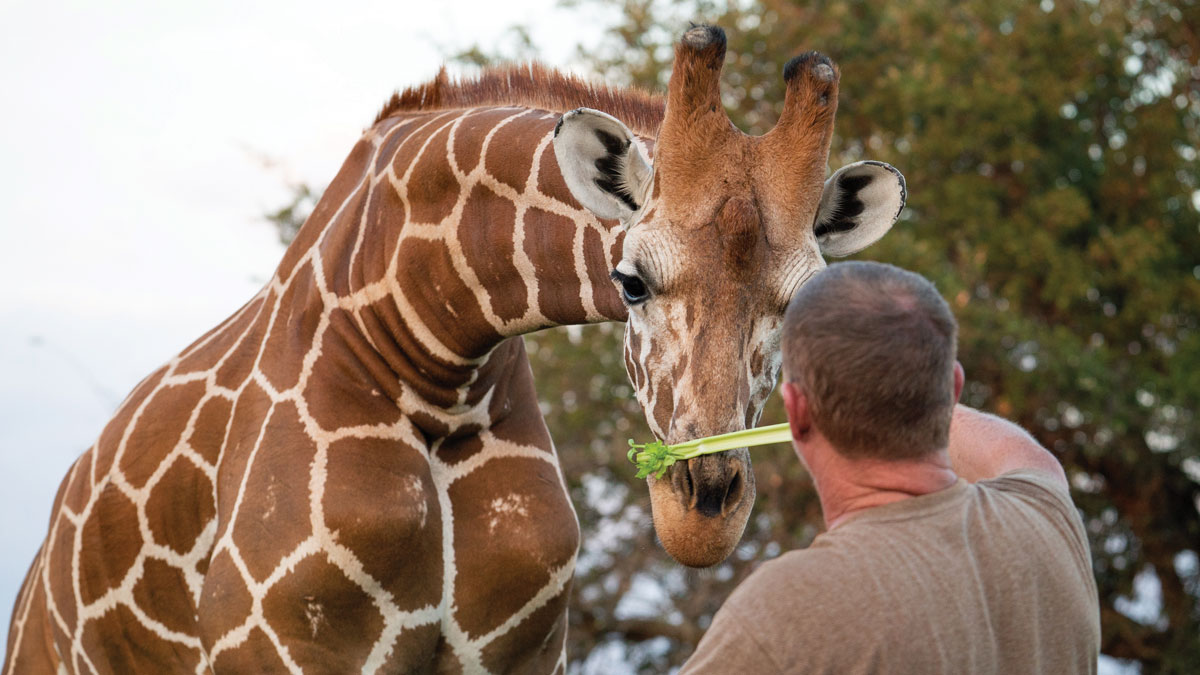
<point x="604" y="169"/>
<point x="860" y="203"/>
<point x="795" y="403"/>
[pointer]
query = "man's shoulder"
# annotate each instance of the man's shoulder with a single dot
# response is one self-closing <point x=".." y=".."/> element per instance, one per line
<point x="1037" y="489"/>
<point x="824" y="574"/>
<point x="771" y="621"/>
<point x="790" y="569"/>
<point x="803" y="564"/>
<point x="1027" y="481"/>
<point x="1042" y="494"/>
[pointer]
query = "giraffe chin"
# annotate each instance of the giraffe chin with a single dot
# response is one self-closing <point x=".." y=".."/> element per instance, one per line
<point x="689" y="535"/>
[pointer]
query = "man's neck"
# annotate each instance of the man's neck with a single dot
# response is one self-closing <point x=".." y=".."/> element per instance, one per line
<point x="849" y="486"/>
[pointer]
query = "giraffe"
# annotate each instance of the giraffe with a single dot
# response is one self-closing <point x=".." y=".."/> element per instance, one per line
<point x="351" y="473"/>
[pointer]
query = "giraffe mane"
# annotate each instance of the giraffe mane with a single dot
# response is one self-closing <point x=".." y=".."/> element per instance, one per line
<point x="533" y="85"/>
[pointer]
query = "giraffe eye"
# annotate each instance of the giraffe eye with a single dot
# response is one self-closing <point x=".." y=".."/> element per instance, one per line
<point x="632" y="288"/>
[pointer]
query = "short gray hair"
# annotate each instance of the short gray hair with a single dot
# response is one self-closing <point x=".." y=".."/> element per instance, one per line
<point x="873" y="348"/>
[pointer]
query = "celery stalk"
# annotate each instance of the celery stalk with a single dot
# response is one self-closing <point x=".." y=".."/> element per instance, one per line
<point x="656" y="457"/>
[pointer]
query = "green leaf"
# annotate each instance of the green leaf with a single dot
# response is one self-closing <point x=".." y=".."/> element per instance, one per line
<point x="656" y="457"/>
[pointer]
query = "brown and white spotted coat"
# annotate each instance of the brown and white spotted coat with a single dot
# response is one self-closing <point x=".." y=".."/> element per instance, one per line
<point x="351" y="473"/>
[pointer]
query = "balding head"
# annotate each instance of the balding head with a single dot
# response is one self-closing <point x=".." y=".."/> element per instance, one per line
<point x="873" y="349"/>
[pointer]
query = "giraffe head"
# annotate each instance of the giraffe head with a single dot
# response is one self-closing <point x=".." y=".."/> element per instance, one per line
<point x="722" y="229"/>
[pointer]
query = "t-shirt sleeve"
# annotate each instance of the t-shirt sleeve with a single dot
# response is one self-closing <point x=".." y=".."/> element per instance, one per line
<point x="1038" y="486"/>
<point x="1053" y="500"/>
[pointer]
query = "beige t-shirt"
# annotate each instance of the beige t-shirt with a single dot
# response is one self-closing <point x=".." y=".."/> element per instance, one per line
<point x="991" y="577"/>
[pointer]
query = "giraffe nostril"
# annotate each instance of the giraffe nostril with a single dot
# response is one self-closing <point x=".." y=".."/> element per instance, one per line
<point x="712" y="485"/>
<point x="685" y="487"/>
<point x="733" y="494"/>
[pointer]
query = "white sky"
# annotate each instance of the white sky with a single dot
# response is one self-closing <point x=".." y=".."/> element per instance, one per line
<point x="131" y="200"/>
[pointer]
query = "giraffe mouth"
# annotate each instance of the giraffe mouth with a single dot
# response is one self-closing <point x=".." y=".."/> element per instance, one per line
<point x="701" y="506"/>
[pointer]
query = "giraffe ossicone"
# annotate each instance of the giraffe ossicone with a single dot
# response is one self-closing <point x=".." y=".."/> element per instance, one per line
<point x="351" y="473"/>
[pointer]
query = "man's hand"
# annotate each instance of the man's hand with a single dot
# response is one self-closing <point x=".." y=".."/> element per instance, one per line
<point x="984" y="446"/>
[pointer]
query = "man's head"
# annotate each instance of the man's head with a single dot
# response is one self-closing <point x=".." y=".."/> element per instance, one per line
<point x="872" y="349"/>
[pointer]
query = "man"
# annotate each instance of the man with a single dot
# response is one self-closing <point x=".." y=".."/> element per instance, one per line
<point x="952" y="544"/>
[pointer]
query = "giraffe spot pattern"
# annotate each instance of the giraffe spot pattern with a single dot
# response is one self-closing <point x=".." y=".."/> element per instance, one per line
<point x="385" y="217"/>
<point x="250" y="412"/>
<point x="416" y="651"/>
<point x="226" y="600"/>
<point x="460" y="449"/>
<point x="321" y="616"/>
<point x="33" y="596"/>
<point x="489" y="250"/>
<point x="510" y="544"/>
<point x="162" y="594"/>
<point x="392" y="133"/>
<point x="208" y="433"/>
<point x="184" y="483"/>
<point x="151" y="430"/>
<point x="105" y="449"/>
<point x="59" y="556"/>
<point x="542" y="630"/>
<point x="113" y="544"/>
<point x="436" y="290"/>
<point x="236" y="366"/>
<point x="380" y="501"/>
<point x="401" y="354"/>
<point x="345" y="182"/>
<point x="128" y="646"/>
<point x="471" y="134"/>
<point x="279" y="519"/>
<point x="77" y="491"/>
<point x="596" y="259"/>
<point x="550" y="180"/>
<point x="256" y="654"/>
<point x="290" y="490"/>
<point x="338" y="392"/>
<point x="510" y="168"/>
<point x="560" y="296"/>
<point x="203" y="354"/>
<point x="432" y="188"/>
<point x="339" y="275"/>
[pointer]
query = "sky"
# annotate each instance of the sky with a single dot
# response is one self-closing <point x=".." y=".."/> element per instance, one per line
<point x="140" y="145"/>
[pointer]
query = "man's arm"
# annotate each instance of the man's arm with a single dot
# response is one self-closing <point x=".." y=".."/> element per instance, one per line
<point x="983" y="446"/>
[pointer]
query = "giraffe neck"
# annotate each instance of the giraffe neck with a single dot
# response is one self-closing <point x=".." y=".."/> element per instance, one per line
<point x="444" y="234"/>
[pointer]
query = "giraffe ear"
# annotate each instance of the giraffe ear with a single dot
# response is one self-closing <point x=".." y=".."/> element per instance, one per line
<point x="602" y="164"/>
<point x="860" y="203"/>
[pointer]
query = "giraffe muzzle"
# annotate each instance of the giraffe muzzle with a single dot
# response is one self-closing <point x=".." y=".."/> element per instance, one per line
<point x="701" y="506"/>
